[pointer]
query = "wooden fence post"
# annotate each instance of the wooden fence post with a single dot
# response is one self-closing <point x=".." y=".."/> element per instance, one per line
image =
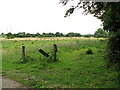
<point x="23" y="52"/>
<point x="55" y="50"/>
<point x="44" y="53"/>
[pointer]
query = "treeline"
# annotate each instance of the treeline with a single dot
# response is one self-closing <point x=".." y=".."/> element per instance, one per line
<point x="23" y="35"/>
<point x="99" y="33"/>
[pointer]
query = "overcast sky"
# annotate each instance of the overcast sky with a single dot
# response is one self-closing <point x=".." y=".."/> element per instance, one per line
<point x="32" y="16"/>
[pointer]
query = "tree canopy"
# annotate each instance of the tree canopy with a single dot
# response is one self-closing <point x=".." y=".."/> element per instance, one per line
<point x="100" y="33"/>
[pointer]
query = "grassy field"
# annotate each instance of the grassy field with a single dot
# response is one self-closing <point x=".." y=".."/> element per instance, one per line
<point x="74" y="67"/>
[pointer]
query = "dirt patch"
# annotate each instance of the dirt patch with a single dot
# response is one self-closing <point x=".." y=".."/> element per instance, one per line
<point x="8" y="83"/>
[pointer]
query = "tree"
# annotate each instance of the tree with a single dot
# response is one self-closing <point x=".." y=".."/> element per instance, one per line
<point x="37" y="34"/>
<point x="71" y="34"/>
<point x="9" y="35"/>
<point x="109" y="14"/>
<point x="57" y="34"/>
<point x="100" y="33"/>
<point x="88" y="35"/>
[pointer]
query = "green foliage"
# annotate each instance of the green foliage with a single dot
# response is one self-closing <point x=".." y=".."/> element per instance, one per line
<point x="101" y="33"/>
<point x="87" y="36"/>
<point x="111" y="17"/>
<point x="57" y="34"/>
<point x="9" y="35"/>
<point x="47" y="35"/>
<point x="114" y="47"/>
<point x="71" y="34"/>
<point x="69" y="11"/>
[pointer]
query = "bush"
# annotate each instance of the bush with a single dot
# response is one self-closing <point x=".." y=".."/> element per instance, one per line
<point x="114" y="48"/>
<point x="87" y="36"/>
<point x="89" y="51"/>
<point x="10" y="37"/>
<point x="101" y="33"/>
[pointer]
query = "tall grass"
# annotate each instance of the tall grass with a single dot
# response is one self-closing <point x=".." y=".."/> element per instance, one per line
<point x="74" y="68"/>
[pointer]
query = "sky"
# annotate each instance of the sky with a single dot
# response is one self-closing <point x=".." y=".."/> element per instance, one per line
<point x="32" y="16"/>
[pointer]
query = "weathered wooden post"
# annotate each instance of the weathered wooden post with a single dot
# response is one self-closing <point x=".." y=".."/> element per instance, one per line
<point x="55" y="50"/>
<point x="23" y="52"/>
<point x="44" y="53"/>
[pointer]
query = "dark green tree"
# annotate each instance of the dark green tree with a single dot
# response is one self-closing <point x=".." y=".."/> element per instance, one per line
<point x="51" y="35"/>
<point x="57" y="34"/>
<point x="71" y="34"/>
<point x="9" y="35"/>
<point x="37" y="34"/>
<point x="88" y="35"/>
<point x="100" y="33"/>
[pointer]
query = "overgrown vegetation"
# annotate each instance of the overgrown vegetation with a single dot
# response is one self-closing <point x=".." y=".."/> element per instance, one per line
<point x="113" y="47"/>
<point x="73" y="69"/>
<point x="101" y="33"/>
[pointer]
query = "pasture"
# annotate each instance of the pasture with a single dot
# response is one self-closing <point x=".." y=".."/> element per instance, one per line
<point x="74" y="68"/>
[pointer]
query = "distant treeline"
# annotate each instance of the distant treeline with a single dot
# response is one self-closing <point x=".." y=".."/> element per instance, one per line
<point x="99" y="33"/>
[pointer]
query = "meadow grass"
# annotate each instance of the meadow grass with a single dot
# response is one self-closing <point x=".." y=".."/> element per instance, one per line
<point x="74" y="67"/>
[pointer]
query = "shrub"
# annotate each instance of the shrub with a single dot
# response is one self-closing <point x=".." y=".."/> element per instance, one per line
<point x="101" y="33"/>
<point x="114" y="48"/>
<point x="87" y="36"/>
<point x="10" y="37"/>
<point x="89" y="51"/>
